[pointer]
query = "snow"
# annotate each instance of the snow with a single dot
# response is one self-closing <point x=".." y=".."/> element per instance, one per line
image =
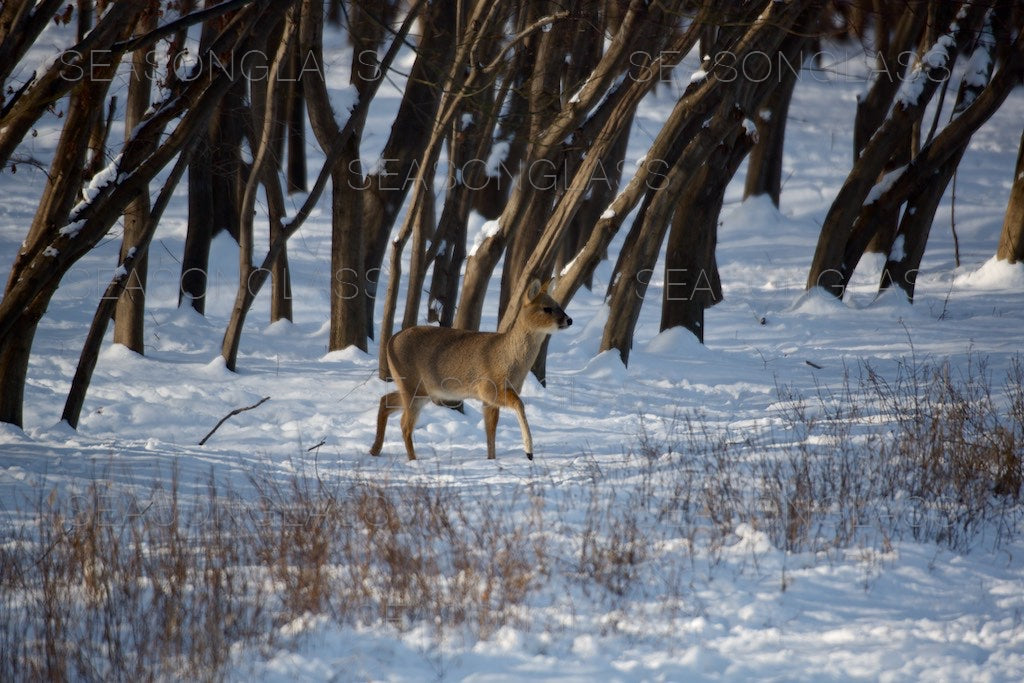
<point x="977" y="70"/>
<point x="994" y="274"/>
<point x="884" y="185"/>
<point x="740" y="608"/>
<point x="937" y="56"/>
<point x="898" y="250"/>
<point x="497" y="157"/>
<point x="107" y="175"/>
<point x="488" y="230"/>
<point x="751" y="128"/>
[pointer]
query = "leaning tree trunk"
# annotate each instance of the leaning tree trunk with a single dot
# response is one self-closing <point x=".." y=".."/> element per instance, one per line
<point x="281" y="287"/>
<point x="108" y="301"/>
<point x="692" y="282"/>
<point x="129" y="325"/>
<point x="920" y="174"/>
<point x="1011" y="241"/>
<point x="890" y="70"/>
<point x="834" y="260"/>
<point x="701" y="194"/>
<point x="66" y="227"/>
<point x="539" y="189"/>
<point x="636" y="263"/>
<point x="906" y="250"/>
<point x="64" y="181"/>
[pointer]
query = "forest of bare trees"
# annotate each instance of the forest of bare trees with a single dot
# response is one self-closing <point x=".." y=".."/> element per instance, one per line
<point x="531" y="103"/>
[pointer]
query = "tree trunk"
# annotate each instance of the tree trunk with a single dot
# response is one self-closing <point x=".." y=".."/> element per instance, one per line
<point x="20" y="25"/>
<point x="63" y="184"/>
<point x="919" y="177"/>
<point x="602" y="191"/>
<point x="67" y="227"/>
<point x="544" y="171"/>
<point x="692" y="282"/>
<point x="195" y="259"/>
<point x="891" y="67"/>
<point x="546" y="151"/>
<point x="764" y="168"/>
<point x="336" y="148"/>
<point x="295" y="124"/>
<point x="130" y="315"/>
<point x="15" y="348"/>
<point x="281" y="288"/>
<point x="1011" y="240"/>
<point x="347" y="323"/>
<point x="890" y="70"/>
<point x="636" y="262"/>
<point x="347" y="302"/>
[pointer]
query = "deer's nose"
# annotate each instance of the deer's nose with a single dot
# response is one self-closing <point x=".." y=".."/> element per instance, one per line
<point x="568" y="321"/>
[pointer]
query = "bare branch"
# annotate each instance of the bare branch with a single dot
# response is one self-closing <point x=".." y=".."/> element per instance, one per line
<point x="227" y="417"/>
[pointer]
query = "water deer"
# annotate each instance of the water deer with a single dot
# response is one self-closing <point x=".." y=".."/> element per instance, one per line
<point x="444" y="364"/>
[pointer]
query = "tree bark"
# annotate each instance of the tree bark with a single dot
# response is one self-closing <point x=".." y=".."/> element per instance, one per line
<point x="335" y="150"/>
<point x="347" y="322"/>
<point x="20" y="315"/>
<point x="692" y="282"/>
<point x="130" y="314"/>
<point x="195" y="258"/>
<point x="1011" y="239"/>
<point x="764" y="168"/>
<point x="890" y="69"/>
<point x="921" y="172"/>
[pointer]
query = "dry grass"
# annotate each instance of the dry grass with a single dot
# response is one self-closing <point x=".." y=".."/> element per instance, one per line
<point x="101" y="586"/>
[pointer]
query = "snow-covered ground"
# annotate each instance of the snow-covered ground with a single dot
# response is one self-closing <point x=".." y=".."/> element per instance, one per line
<point x="746" y="609"/>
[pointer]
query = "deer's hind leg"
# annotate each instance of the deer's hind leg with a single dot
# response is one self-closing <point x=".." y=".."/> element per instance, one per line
<point x="389" y="403"/>
<point x="490" y="426"/>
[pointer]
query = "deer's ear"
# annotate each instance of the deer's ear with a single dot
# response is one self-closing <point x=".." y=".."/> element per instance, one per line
<point x="549" y="285"/>
<point x="533" y="290"/>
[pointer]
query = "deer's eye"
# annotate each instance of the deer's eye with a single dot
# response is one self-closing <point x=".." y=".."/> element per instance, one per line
<point x="548" y="310"/>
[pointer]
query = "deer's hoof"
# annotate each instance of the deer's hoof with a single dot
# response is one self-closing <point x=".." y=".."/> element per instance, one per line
<point x="529" y="456"/>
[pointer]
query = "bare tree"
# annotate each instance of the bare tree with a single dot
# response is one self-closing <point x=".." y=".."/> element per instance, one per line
<point x="712" y="137"/>
<point x="338" y="147"/>
<point x="130" y="314"/>
<point x="66" y="225"/>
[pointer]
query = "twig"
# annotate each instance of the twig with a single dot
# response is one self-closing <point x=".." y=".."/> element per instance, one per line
<point x="952" y="222"/>
<point x="234" y="412"/>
